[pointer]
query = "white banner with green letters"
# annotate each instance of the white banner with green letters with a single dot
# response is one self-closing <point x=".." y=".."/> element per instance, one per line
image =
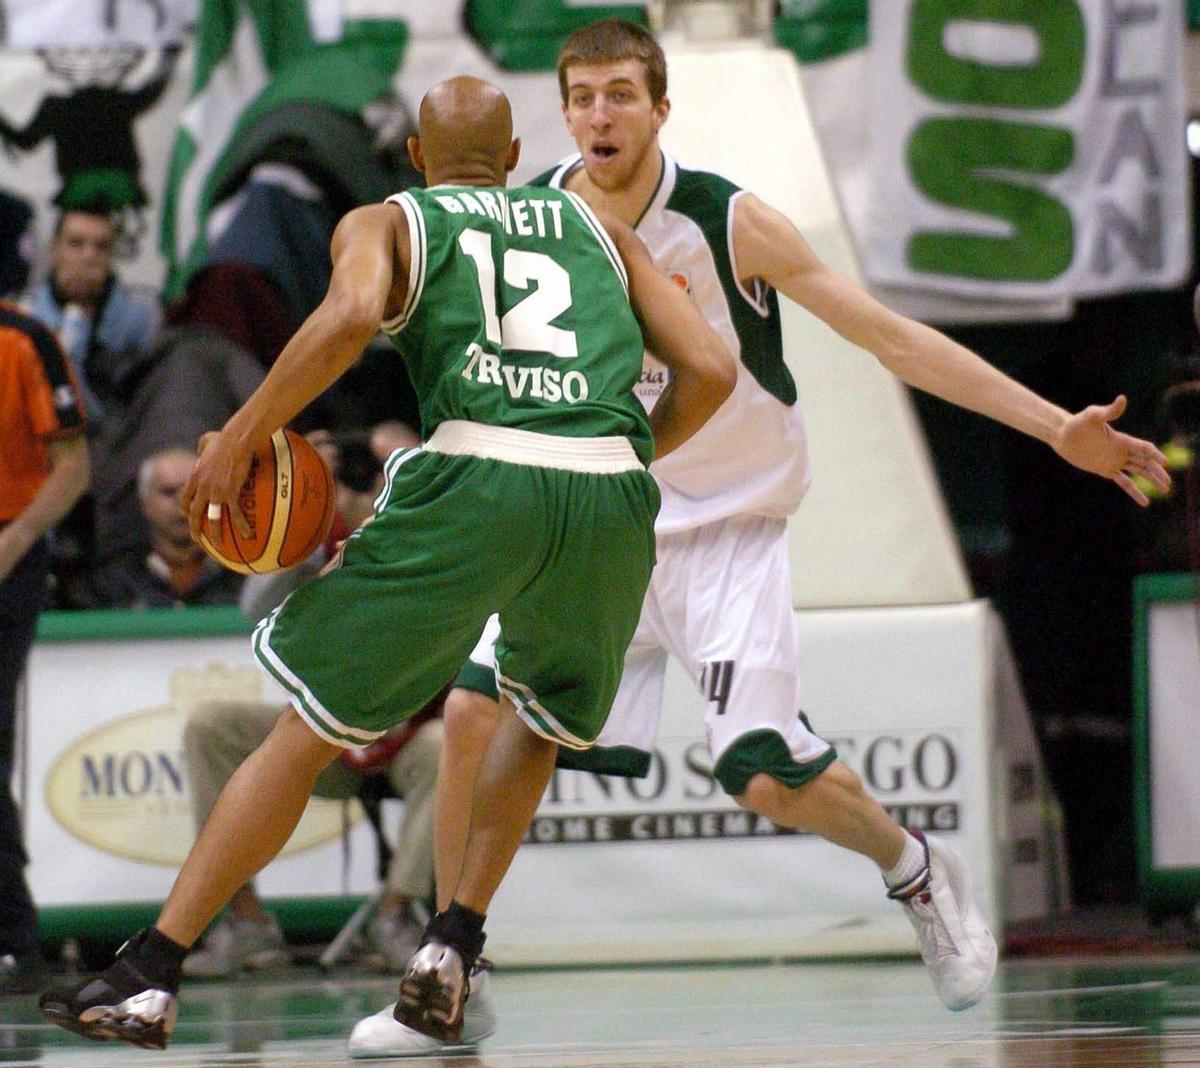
<point x="1028" y="149"/>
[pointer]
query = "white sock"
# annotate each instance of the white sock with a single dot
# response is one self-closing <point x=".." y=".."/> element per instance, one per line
<point x="910" y="865"/>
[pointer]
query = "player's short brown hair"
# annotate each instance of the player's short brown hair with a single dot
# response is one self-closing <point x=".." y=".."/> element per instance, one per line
<point x="610" y="41"/>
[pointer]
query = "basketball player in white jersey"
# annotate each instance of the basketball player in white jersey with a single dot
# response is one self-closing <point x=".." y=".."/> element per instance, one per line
<point x="726" y="495"/>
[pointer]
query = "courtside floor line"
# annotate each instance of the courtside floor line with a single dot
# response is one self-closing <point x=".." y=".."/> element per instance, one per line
<point x="1053" y="1014"/>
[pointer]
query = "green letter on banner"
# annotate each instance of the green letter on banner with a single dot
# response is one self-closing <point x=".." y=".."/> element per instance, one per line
<point x="1049" y="82"/>
<point x="955" y="162"/>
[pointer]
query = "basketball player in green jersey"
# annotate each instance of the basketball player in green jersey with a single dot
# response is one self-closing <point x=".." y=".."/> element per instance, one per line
<point x="512" y="311"/>
<point x="725" y="498"/>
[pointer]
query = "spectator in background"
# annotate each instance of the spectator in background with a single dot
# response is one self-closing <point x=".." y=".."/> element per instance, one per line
<point x="106" y="328"/>
<point x="103" y="324"/>
<point x="219" y="735"/>
<point x="265" y="271"/>
<point x="43" y="471"/>
<point x="390" y="435"/>
<point x="283" y="188"/>
<point x="176" y="572"/>
<point x="192" y="379"/>
<point x="18" y="242"/>
<point x="327" y="448"/>
<point x="266" y="268"/>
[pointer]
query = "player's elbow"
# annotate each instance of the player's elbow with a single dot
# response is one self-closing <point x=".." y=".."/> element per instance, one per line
<point x="706" y="386"/>
<point x="897" y="343"/>
<point x="720" y="374"/>
<point x="348" y="319"/>
<point x="356" y="315"/>
<point x="727" y="377"/>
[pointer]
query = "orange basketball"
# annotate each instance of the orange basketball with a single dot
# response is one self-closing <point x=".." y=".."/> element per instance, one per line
<point x="287" y="499"/>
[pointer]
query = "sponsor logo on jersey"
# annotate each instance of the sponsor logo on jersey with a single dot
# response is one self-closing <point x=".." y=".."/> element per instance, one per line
<point x="655" y="377"/>
<point x="540" y="383"/>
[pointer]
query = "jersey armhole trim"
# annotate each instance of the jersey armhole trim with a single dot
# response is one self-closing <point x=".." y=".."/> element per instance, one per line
<point x="758" y="299"/>
<point x="417" y="256"/>
<point x="601" y="236"/>
<point x="562" y="169"/>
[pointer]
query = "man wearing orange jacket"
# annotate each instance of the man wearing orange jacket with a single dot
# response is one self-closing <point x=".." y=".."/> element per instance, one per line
<point x="43" y="472"/>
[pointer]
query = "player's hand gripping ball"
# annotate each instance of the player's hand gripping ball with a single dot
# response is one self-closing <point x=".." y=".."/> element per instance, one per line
<point x="288" y="502"/>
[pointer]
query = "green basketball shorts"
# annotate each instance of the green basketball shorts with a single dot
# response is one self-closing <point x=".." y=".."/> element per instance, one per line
<point x="556" y="535"/>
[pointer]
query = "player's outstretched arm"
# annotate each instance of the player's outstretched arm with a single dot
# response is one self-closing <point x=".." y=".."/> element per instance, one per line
<point x="703" y="371"/>
<point x="768" y="246"/>
<point x="367" y="247"/>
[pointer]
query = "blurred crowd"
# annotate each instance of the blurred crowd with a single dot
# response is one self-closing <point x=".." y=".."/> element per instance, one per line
<point x="151" y="379"/>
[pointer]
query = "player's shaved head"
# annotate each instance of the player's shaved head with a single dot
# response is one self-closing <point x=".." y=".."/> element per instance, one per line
<point x="465" y="133"/>
<point x="462" y="116"/>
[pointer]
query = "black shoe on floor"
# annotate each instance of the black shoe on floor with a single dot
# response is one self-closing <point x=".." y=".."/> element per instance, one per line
<point x="433" y="993"/>
<point x="25" y="974"/>
<point x="123" y="1001"/>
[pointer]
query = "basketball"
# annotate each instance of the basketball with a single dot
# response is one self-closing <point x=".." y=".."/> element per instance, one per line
<point x="287" y="500"/>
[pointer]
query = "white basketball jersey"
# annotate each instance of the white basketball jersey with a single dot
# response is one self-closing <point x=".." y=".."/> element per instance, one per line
<point x="750" y="458"/>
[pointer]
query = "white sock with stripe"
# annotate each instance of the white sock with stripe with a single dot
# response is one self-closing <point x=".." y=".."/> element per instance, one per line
<point x="910" y="865"/>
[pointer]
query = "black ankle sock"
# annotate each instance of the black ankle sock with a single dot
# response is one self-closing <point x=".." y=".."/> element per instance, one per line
<point x="461" y="928"/>
<point x="157" y="957"/>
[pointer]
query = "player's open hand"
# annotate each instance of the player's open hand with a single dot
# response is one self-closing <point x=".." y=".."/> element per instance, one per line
<point x="221" y="468"/>
<point x="1088" y="441"/>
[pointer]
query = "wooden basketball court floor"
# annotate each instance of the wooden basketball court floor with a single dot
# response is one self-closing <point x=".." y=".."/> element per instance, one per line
<point x="1100" y="1013"/>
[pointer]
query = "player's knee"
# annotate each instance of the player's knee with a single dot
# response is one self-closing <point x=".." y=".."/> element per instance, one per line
<point x="469" y="718"/>
<point x="836" y="786"/>
<point x="294" y="745"/>
<point x="763" y="794"/>
<point x="838" y="777"/>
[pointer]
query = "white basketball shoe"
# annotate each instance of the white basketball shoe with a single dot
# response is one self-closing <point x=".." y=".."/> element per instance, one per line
<point x="382" y="1035"/>
<point x="956" y="945"/>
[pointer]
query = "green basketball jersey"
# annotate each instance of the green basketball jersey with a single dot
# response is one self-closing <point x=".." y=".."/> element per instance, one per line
<point x="518" y="315"/>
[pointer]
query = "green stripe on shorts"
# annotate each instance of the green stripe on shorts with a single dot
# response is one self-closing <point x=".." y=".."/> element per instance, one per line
<point x="765" y="751"/>
<point x="538" y="718"/>
<point x="622" y="760"/>
<point x="478" y="679"/>
<point x="307" y="706"/>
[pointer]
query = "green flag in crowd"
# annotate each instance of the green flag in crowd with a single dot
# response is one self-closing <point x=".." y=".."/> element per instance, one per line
<point x="528" y="35"/>
<point x="254" y="57"/>
<point x="816" y="30"/>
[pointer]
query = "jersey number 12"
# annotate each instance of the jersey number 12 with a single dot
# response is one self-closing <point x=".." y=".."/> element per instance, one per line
<point x="527" y="325"/>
